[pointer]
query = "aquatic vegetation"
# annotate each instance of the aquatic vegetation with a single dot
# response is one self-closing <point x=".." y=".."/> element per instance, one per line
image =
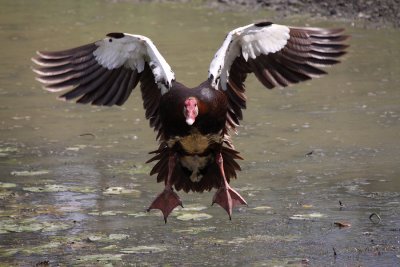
<point x="48" y="188"/>
<point x="30" y="173"/>
<point x="7" y="185"/>
<point x="196" y="230"/>
<point x="98" y="258"/>
<point x="118" y="190"/>
<point x="309" y="216"/>
<point x="193" y="216"/>
<point x="262" y="208"/>
<point x="28" y="250"/>
<point x="144" y="249"/>
<point x="32" y="225"/>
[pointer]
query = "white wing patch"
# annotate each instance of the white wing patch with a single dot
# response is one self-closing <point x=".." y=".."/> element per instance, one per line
<point x="133" y="51"/>
<point x="253" y="41"/>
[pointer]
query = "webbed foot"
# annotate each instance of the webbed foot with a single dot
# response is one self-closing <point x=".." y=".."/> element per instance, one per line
<point x="166" y="201"/>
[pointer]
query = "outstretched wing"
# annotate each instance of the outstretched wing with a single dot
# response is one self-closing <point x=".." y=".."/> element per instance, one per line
<point x="278" y="55"/>
<point x="106" y="72"/>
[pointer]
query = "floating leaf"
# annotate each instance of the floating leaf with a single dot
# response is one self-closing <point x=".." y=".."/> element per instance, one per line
<point x="262" y="238"/>
<point x="59" y="188"/>
<point x="29" y="173"/>
<point x="117" y="190"/>
<point x="46" y="188"/>
<point x="144" y="249"/>
<point x="307" y="216"/>
<point x="28" y="250"/>
<point x="96" y="237"/>
<point x="118" y="236"/>
<point x="32" y="225"/>
<point x="7" y="185"/>
<point x="141" y="214"/>
<point x="127" y="168"/>
<point x="106" y="238"/>
<point x="55" y="226"/>
<point x="106" y="213"/>
<point x="5" y="151"/>
<point x="8" y="149"/>
<point x="110" y="247"/>
<point x="12" y="226"/>
<point x="191" y="207"/>
<point x="262" y="208"/>
<point x="75" y="148"/>
<point x="195" y="230"/>
<point x="194" y="216"/>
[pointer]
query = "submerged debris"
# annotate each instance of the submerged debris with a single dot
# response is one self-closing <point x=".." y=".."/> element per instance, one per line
<point x="373" y="215"/>
<point x="309" y="153"/>
<point x="87" y="134"/>
<point x="342" y="224"/>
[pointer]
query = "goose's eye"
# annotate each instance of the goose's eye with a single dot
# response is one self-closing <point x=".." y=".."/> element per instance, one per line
<point x="110" y="40"/>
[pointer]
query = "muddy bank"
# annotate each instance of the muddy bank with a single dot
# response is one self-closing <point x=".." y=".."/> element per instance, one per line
<point x="368" y="13"/>
<point x="386" y="13"/>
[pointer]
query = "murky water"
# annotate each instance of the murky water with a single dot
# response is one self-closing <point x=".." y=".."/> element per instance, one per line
<point x="74" y="187"/>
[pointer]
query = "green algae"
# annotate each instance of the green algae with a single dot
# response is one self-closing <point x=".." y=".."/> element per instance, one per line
<point x="196" y="230"/>
<point x="194" y="216"/>
<point x="118" y="190"/>
<point x="7" y="185"/>
<point x="51" y="188"/>
<point x="28" y="250"/>
<point x="32" y="225"/>
<point x="144" y="249"/>
<point x="30" y="173"/>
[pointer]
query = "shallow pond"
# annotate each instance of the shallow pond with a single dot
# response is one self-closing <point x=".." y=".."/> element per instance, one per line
<point x="321" y="169"/>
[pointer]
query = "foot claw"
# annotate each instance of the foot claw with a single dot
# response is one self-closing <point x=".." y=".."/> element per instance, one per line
<point x="166" y="201"/>
<point x="228" y="198"/>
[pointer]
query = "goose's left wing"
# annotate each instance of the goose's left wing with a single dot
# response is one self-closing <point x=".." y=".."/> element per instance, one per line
<point x="278" y="55"/>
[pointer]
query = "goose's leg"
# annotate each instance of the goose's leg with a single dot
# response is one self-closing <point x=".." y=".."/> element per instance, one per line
<point x="226" y="196"/>
<point x="167" y="200"/>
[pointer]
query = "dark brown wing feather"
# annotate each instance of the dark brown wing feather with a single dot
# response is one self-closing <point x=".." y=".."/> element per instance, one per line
<point x="306" y="51"/>
<point x="77" y="71"/>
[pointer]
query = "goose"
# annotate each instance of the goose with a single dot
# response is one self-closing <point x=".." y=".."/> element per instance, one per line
<point x="193" y="125"/>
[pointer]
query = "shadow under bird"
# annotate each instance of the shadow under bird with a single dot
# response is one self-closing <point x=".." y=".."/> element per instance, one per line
<point x="193" y="125"/>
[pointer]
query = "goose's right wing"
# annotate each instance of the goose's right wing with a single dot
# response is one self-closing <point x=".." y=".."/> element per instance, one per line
<point x="106" y="72"/>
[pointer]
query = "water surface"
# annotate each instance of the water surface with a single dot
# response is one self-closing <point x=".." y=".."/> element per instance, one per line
<point x="74" y="186"/>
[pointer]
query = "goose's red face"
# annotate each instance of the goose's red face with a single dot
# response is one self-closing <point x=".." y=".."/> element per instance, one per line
<point x="190" y="110"/>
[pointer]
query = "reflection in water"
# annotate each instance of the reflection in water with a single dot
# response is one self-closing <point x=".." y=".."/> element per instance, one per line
<point x="306" y="148"/>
